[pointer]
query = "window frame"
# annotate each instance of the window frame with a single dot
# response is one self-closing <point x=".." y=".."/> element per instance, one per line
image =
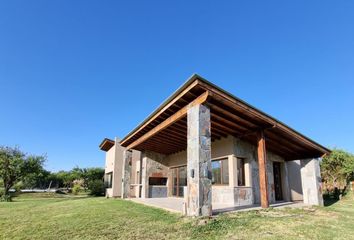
<point x="243" y="170"/>
<point x="221" y="171"/>
<point x="109" y="180"/>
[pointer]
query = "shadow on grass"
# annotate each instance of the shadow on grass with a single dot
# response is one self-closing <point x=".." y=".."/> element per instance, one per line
<point x="333" y="197"/>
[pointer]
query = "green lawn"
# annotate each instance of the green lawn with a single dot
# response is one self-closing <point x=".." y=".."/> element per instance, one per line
<point x="48" y="216"/>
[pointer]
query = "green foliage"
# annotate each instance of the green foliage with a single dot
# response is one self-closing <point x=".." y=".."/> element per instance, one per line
<point x="76" y="189"/>
<point x="91" y="174"/>
<point x="18" y="186"/>
<point x="77" y="175"/>
<point x="5" y="197"/>
<point x="337" y="169"/>
<point x="16" y="166"/>
<point x="20" y="170"/>
<point x="97" y="188"/>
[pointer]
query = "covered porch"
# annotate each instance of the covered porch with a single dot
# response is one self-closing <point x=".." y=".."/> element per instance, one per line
<point x="201" y="128"/>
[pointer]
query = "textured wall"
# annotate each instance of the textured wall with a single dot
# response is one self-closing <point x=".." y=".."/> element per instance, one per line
<point x="199" y="161"/>
<point x="295" y="183"/>
<point x="157" y="191"/>
<point x="153" y="166"/>
<point x="249" y="153"/>
<point x="114" y="162"/>
<point x="311" y="182"/>
<point x="127" y="165"/>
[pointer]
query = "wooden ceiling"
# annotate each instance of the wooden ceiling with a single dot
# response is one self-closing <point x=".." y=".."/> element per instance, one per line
<point x="106" y="144"/>
<point x="165" y="130"/>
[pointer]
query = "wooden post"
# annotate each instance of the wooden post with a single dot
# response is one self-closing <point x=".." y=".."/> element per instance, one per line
<point x="262" y="166"/>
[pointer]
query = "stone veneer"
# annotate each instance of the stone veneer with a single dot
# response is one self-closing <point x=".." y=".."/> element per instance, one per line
<point x="199" y="162"/>
<point x="127" y="163"/>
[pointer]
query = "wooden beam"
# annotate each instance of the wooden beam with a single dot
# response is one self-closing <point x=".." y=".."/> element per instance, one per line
<point x="239" y="104"/>
<point x="241" y="121"/>
<point x="262" y="168"/>
<point x="169" y="121"/>
<point x="152" y="118"/>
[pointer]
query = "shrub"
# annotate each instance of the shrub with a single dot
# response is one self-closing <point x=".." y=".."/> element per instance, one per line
<point x="96" y="188"/>
<point x="3" y="197"/>
<point x="76" y="189"/>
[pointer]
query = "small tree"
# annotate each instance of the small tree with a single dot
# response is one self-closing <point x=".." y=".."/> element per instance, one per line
<point x="337" y="169"/>
<point x="15" y="166"/>
<point x="11" y="166"/>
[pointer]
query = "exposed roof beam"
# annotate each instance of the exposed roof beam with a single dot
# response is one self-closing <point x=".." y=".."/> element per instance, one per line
<point x="169" y="121"/>
<point x="158" y="112"/>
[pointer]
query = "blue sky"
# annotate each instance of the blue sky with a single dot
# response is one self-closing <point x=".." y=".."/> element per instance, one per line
<point x="74" y="72"/>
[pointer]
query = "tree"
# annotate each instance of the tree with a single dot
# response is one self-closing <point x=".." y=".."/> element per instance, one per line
<point x="16" y="165"/>
<point x="337" y="169"/>
<point x="91" y="174"/>
<point x="35" y="175"/>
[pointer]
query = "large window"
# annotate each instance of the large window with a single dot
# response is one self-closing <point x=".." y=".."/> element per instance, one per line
<point x="108" y="180"/>
<point x="220" y="170"/>
<point x="241" y="172"/>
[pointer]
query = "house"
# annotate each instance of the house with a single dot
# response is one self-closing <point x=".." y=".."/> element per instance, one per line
<point x="209" y="147"/>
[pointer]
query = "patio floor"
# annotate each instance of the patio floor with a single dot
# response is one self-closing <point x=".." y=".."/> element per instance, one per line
<point x="174" y="204"/>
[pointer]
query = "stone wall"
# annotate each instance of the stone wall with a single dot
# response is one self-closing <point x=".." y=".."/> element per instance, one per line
<point x="153" y="166"/>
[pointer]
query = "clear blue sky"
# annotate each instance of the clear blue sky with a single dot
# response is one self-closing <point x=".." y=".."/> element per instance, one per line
<point x="74" y="72"/>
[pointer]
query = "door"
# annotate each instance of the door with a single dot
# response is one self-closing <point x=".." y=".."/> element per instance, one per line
<point x="179" y="180"/>
<point x="277" y="181"/>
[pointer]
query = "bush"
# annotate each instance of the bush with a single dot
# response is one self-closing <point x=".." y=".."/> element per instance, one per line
<point x="3" y="197"/>
<point x="76" y="189"/>
<point x="96" y="188"/>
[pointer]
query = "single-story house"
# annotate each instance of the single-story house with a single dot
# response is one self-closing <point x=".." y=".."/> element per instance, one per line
<point x="207" y="146"/>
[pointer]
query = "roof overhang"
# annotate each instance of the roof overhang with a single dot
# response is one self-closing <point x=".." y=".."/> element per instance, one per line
<point x="106" y="144"/>
<point x="165" y="130"/>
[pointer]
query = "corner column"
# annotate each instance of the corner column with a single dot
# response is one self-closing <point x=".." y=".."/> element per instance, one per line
<point x="144" y="179"/>
<point x="311" y="182"/>
<point x="262" y="167"/>
<point x="127" y="167"/>
<point x="198" y="162"/>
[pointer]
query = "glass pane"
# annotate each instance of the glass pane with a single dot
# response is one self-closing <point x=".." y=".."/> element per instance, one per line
<point x="174" y="178"/>
<point x="225" y="171"/>
<point x="216" y="172"/>
<point x="240" y="172"/>
<point x="182" y="173"/>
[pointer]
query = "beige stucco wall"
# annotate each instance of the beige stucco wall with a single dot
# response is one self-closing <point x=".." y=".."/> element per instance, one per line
<point x="114" y="160"/>
<point x="295" y="182"/>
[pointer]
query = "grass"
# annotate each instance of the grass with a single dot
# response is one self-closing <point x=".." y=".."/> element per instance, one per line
<point x="53" y="216"/>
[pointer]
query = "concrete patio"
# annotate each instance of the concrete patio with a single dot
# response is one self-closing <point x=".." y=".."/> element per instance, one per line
<point x="174" y="204"/>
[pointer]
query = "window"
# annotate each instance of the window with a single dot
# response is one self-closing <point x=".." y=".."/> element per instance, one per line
<point x="241" y="172"/>
<point x="220" y="172"/>
<point x="108" y="180"/>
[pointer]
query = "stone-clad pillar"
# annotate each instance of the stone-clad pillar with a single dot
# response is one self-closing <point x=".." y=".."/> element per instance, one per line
<point x="199" y="162"/>
<point x="311" y="182"/>
<point x="126" y="170"/>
